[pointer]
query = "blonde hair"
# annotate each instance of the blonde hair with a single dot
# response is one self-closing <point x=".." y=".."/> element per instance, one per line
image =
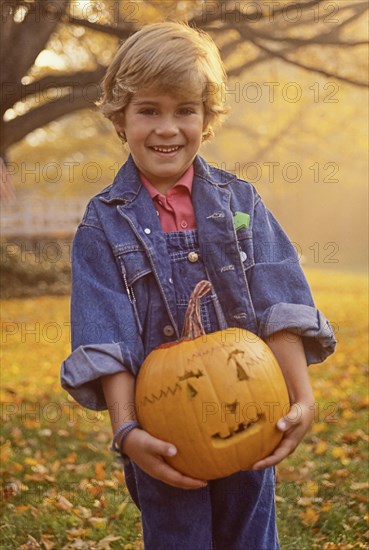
<point x="171" y="57"/>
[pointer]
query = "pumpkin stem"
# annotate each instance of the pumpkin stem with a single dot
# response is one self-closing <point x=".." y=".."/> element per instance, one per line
<point x="192" y="326"/>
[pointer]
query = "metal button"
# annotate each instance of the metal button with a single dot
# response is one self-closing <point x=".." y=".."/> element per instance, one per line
<point x="193" y="257"/>
<point x="243" y="256"/>
<point x="170" y="280"/>
<point x="168" y="330"/>
<point x="147" y="231"/>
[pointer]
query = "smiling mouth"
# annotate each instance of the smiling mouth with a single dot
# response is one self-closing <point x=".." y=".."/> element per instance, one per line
<point x="242" y="431"/>
<point x="162" y="149"/>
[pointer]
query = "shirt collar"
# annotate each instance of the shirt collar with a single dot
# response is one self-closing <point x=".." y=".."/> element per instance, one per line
<point x="185" y="181"/>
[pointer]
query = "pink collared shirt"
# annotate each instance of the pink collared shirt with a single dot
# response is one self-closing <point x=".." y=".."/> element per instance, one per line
<point x="175" y="208"/>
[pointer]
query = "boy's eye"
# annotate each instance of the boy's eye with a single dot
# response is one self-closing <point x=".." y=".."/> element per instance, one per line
<point x="186" y="111"/>
<point x="148" y="111"/>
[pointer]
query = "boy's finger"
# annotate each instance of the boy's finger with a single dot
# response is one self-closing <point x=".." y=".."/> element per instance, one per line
<point x="282" y="451"/>
<point x="294" y="417"/>
<point x="285" y="423"/>
<point x="169" y="475"/>
<point x="163" y="448"/>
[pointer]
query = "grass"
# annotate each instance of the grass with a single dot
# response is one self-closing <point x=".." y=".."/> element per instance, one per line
<point x="62" y="488"/>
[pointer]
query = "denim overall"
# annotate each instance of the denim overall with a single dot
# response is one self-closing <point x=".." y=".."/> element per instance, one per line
<point x="234" y="513"/>
<point x="124" y="301"/>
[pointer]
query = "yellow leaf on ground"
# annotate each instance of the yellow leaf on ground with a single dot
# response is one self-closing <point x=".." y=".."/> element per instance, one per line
<point x="30" y="461"/>
<point x="100" y="523"/>
<point x="310" y="489"/>
<point x="360" y="486"/>
<point x="309" y="517"/>
<point x="319" y="427"/>
<point x="82" y="512"/>
<point x="348" y="414"/>
<point x="321" y="447"/>
<point x="22" y="508"/>
<point x="100" y="470"/>
<point x="340" y="452"/>
<point x="48" y="544"/>
<point x="326" y="506"/>
<point x="31" y="544"/>
<point x="342" y="473"/>
<point x="63" y="503"/>
<point x="76" y="533"/>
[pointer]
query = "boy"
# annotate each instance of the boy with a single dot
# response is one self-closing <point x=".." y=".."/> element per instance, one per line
<point x="166" y="222"/>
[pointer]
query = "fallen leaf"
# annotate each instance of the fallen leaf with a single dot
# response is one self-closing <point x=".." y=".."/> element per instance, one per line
<point x="310" y="489"/>
<point x="100" y="470"/>
<point x="71" y="458"/>
<point x="30" y="461"/>
<point x="46" y="432"/>
<point x="104" y="544"/>
<point x="342" y="473"/>
<point x="321" y="447"/>
<point x="100" y="523"/>
<point x="62" y="503"/>
<point x="309" y="517"/>
<point x="360" y="486"/>
<point x="359" y="497"/>
<point x="31" y="544"/>
<point x="82" y="512"/>
<point x="75" y="533"/>
<point x="326" y="506"/>
<point x="47" y="542"/>
<point x="22" y="508"/>
<point x="319" y="427"/>
<point x="334" y="546"/>
<point x="340" y="452"/>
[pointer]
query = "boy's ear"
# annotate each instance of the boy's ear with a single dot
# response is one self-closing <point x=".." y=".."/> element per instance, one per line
<point x="206" y="130"/>
<point x="118" y="121"/>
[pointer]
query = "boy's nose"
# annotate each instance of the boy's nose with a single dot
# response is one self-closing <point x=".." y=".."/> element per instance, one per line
<point x="167" y="127"/>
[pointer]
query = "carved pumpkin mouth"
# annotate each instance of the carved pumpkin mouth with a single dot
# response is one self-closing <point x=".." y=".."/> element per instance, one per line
<point x="241" y="431"/>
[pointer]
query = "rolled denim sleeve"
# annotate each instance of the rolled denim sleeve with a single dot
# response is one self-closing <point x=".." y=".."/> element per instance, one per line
<point x="105" y="337"/>
<point x="280" y="292"/>
<point x="82" y="370"/>
<point x="307" y="322"/>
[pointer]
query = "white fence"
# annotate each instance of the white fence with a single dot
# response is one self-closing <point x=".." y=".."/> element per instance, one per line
<point x="41" y="217"/>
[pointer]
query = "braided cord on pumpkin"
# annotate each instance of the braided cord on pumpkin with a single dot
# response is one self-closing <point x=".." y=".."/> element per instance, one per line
<point x="192" y="326"/>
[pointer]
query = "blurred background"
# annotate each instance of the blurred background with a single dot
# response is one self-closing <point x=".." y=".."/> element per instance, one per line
<point x="298" y="127"/>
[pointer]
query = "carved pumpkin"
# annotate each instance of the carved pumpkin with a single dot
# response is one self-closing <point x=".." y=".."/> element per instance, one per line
<point x="216" y="397"/>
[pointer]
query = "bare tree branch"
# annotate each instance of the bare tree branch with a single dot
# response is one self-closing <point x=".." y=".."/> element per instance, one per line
<point x="310" y="68"/>
<point x="122" y="32"/>
<point x="16" y="129"/>
<point x="29" y="36"/>
<point x="57" y="82"/>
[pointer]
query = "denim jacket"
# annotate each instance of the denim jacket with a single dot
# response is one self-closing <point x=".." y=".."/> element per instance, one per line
<point x="123" y="298"/>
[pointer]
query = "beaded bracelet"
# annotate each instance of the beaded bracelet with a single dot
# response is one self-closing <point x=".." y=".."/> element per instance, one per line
<point x="123" y="431"/>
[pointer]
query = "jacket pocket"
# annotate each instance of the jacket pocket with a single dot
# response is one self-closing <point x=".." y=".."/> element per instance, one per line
<point x="246" y="247"/>
<point x="136" y="269"/>
<point x="133" y="262"/>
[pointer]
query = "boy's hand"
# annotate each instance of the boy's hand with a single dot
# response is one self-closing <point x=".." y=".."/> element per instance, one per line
<point x="294" y="425"/>
<point x="149" y="454"/>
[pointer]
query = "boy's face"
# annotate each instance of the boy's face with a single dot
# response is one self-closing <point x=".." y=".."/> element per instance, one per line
<point x="164" y="133"/>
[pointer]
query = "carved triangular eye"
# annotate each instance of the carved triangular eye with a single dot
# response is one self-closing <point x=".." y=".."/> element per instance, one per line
<point x="191" y="392"/>
<point x="232" y="407"/>
<point x="234" y="356"/>
<point x="241" y="373"/>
